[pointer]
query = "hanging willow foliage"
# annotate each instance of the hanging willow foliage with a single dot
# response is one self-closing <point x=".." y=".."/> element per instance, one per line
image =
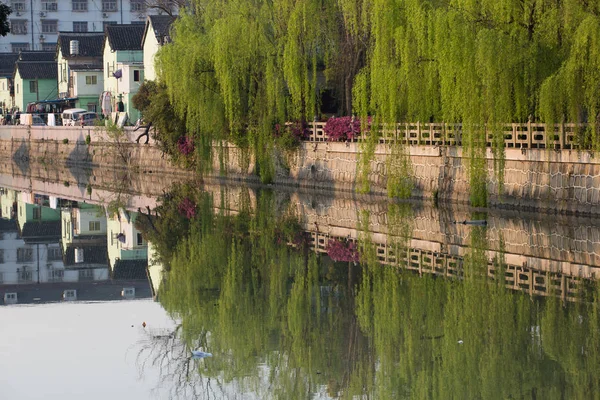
<point x="235" y="68"/>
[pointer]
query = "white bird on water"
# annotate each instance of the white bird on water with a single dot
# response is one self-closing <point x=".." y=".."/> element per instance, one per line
<point x="200" y="354"/>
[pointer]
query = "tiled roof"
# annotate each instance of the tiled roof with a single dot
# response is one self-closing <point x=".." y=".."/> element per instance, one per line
<point x="125" y="37"/>
<point x="90" y="43"/>
<point x="91" y="255"/>
<point x="85" y="67"/>
<point x="36" y="56"/>
<point x="7" y="63"/>
<point x="162" y="27"/>
<point x="37" y="69"/>
<point x="45" y="230"/>
<point x="8" y="225"/>
<point x="130" y="269"/>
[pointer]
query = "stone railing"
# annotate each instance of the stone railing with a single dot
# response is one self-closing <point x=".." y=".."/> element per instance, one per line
<point x="516" y="135"/>
<point x="533" y="281"/>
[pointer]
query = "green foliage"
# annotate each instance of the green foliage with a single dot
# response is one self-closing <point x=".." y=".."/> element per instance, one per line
<point x="235" y="69"/>
<point x="5" y="11"/>
<point x="65" y="141"/>
<point x="88" y="139"/>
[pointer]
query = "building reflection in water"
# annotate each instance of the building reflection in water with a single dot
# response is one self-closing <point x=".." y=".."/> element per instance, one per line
<point x="55" y="249"/>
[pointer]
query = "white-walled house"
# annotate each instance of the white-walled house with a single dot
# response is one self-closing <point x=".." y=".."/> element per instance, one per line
<point x="156" y="34"/>
<point x="36" y="256"/>
<point x="80" y="73"/>
<point x="123" y="62"/>
<point x="127" y="249"/>
<point x="7" y="67"/>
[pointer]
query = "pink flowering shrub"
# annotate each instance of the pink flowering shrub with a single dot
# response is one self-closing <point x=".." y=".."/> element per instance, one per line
<point x="342" y="128"/>
<point x="299" y="130"/>
<point x="185" y="144"/>
<point x="187" y="208"/>
<point x="342" y="251"/>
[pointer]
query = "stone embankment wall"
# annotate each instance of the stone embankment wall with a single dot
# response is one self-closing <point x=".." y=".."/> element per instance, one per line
<point x="565" y="181"/>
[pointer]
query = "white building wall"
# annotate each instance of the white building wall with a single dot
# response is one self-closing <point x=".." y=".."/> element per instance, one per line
<point x="84" y="217"/>
<point x="34" y="15"/>
<point x="150" y="49"/>
<point x="82" y="88"/>
<point x="6" y="102"/>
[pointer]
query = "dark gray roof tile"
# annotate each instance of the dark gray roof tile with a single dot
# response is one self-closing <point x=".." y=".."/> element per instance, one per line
<point x="37" y="56"/>
<point x="7" y="63"/>
<point x="125" y="37"/>
<point x="90" y="43"/>
<point x="37" y="69"/>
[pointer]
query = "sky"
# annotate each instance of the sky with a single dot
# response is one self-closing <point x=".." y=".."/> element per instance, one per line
<point x="78" y="350"/>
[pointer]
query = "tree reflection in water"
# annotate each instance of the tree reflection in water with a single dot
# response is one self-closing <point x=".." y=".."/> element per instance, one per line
<point x="283" y="322"/>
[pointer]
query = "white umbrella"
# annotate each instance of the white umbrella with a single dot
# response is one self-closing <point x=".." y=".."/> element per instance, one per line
<point x="106" y="104"/>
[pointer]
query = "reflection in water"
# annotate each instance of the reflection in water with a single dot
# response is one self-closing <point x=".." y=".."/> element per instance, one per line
<point x="295" y="294"/>
<point x="251" y="285"/>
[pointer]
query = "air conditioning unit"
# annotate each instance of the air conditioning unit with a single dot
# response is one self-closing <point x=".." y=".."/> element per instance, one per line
<point x="10" y="298"/>
<point x="42" y="14"/>
<point x="18" y="14"/>
<point x="104" y="15"/>
<point x="128" y="293"/>
<point x="70" y="295"/>
<point x="42" y="37"/>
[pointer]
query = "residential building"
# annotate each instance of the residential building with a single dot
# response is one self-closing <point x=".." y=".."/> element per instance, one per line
<point x="156" y="34"/>
<point x="7" y="68"/>
<point x="35" y="24"/>
<point x="79" y="59"/>
<point x="35" y="78"/>
<point x="33" y="257"/>
<point x="30" y="209"/>
<point x="123" y="62"/>
<point x="155" y="270"/>
<point x="127" y="249"/>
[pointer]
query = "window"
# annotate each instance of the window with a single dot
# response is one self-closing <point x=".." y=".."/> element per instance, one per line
<point x="109" y="5"/>
<point x="49" y="26"/>
<point x="37" y="211"/>
<point x="86" y="274"/>
<point x="18" y="26"/>
<point x="17" y="88"/>
<point x="136" y="75"/>
<point x="54" y="254"/>
<point x="17" y="5"/>
<point x="49" y="46"/>
<point x="24" y="274"/>
<point x="79" y="26"/>
<point x="138" y="6"/>
<point x="1" y="256"/>
<point x="18" y="47"/>
<point x="80" y="5"/>
<point x="91" y="107"/>
<point x="107" y="23"/>
<point x="24" y="254"/>
<point x="91" y="80"/>
<point x="56" y="275"/>
<point x="94" y="226"/>
<point x="49" y="5"/>
<point x="140" y="240"/>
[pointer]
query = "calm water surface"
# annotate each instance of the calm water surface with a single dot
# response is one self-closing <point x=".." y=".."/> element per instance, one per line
<point x="294" y="296"/>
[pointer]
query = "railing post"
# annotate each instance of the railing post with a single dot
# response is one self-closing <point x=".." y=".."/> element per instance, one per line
<point x="529" y="134"/>
<point x="561" y="132"/>
<point x="418" y="133"/>
<point x="314" y="129"/>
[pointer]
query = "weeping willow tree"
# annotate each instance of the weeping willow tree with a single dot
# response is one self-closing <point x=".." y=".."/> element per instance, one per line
<point x="235" y="69"/>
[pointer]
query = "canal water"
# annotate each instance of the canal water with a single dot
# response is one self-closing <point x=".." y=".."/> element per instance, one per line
<point x="107" y="291"/>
